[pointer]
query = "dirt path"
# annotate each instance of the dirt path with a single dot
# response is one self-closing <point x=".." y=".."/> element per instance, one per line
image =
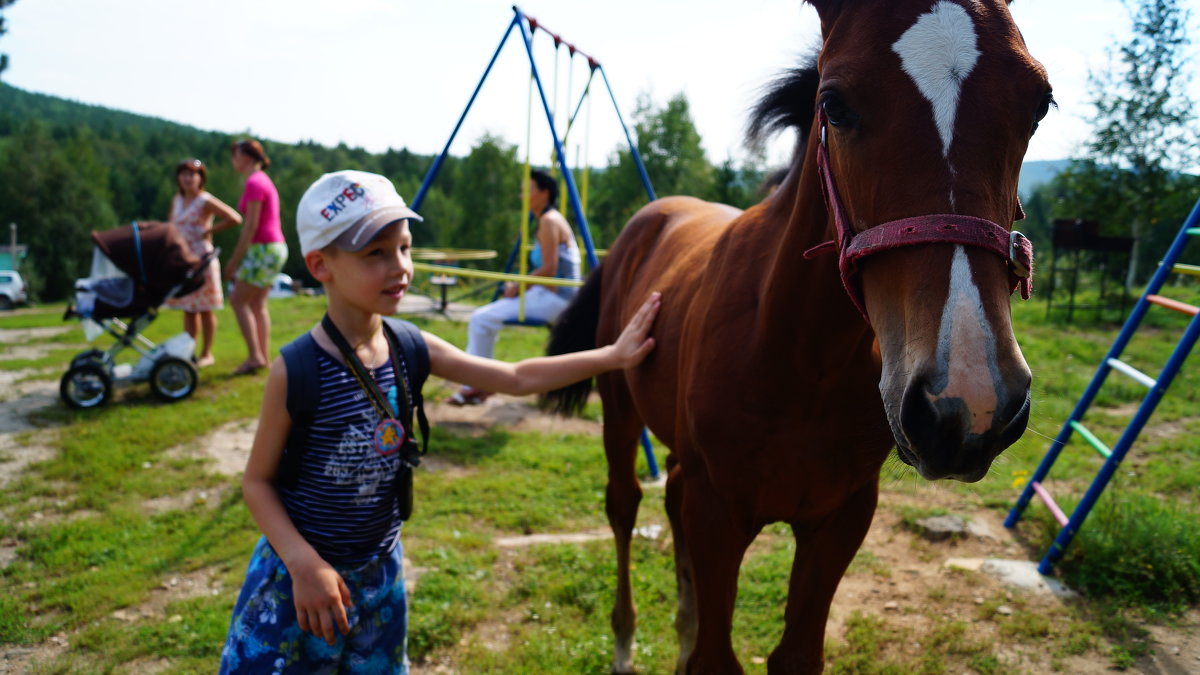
<point x="23" y="392"/>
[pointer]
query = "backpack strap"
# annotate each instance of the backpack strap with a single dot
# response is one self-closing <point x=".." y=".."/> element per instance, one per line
<point x="416" y="359"/>
<point x="303" y="394"/>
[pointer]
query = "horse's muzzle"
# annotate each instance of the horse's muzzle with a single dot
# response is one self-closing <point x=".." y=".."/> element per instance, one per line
<point x="934" y="435"/>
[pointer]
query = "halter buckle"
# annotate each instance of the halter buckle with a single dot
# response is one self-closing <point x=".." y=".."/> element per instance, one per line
<point x="1019" y="268"/>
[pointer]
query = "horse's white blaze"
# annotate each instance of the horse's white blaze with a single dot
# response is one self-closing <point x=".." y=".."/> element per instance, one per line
<point x="967" y="347"/>
<point x="938" y="52"/>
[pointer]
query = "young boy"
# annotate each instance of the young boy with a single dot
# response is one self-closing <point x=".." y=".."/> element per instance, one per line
<point x="324" y="590"/>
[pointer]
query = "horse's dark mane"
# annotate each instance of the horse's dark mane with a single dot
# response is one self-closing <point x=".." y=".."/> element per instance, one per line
<point x="787" y="103"/>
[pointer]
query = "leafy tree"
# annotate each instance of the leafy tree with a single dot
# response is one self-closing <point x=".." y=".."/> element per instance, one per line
<point x="736" y="185"/>
<point x="52" y="193"/>
<point x="671" y="149"/>
<point x="489" y="194"/>
<point x="3" y="30"/>
<point x="1144" y="122"/>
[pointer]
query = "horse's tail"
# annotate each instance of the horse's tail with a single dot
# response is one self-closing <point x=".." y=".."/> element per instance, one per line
<point x="575" y="331"/>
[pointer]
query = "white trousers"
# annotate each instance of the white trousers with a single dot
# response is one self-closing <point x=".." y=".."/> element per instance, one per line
<point x="541" y="304"/>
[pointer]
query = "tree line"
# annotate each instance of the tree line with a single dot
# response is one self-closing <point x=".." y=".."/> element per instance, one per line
<point x="1135" y="175"/>
<point x="68" y="168"/>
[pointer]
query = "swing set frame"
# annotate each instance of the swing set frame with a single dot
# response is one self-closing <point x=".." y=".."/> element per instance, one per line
<point x="528" y="26"/>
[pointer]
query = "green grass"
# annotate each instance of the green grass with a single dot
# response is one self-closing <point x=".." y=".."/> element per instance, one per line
<point x="87" y="546"/>
<point x="1141" y="551"/>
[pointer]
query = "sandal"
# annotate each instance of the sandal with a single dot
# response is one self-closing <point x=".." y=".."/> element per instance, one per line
<point x="247" y="369"/>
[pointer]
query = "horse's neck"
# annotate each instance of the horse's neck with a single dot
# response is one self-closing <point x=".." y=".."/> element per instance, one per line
<point x="803" y="301"/>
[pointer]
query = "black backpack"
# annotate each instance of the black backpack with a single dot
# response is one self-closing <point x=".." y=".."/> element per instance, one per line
<point x="304" y="393"/>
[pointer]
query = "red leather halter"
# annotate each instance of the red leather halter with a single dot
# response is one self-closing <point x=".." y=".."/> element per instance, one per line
<point x="1013" y="246"/>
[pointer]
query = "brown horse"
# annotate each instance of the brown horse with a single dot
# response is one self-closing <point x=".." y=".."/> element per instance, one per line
<point x="783" y="376"/>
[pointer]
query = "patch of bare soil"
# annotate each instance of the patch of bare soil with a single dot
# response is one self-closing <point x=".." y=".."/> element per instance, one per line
<point x="19" y="446"/>
<point x="511" y="413"/>
<point x="228" y="448"/>
<point x="210" y="497"/>
<point x="155" y="609"/>
<point x="21" y="394"/>
<point x="15" y="659"/>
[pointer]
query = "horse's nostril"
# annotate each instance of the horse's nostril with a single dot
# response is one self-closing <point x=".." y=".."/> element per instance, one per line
<point x="918" y="415"/>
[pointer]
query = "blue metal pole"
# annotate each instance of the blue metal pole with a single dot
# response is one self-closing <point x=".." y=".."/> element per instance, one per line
<point x="593" y="262"/>
<point x="576" y="209"/>
<point x="1122" y="447"/>
<point x="437" y="163"/>
<point x="1162" y="383"/>
<point x="637" y="157"/>
<point x="649" y="451"/>
<point x="1126" y="334"/>
<point x="508" y="265"/>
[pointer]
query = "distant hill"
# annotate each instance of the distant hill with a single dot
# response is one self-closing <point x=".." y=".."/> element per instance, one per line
<point x="20" y="104"/>
<point x="1034" y="174"/>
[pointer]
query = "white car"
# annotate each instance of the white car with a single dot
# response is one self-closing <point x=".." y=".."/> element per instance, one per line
<point x="282" y="287"/>
<point x="13" y="290"/>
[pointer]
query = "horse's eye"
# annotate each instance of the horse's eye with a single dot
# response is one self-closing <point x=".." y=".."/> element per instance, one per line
<point x="836" y="111"/>
<point x="1043" y="108"/>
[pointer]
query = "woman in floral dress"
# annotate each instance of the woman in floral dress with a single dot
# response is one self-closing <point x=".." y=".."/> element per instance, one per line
<point x="192" y="212"/>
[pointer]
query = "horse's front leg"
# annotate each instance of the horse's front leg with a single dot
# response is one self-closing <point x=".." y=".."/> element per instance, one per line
<point x="824" y="549"/>
<point x="715" y="544"/>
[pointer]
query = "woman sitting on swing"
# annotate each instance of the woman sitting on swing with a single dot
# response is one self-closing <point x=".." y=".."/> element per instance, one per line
<point x="555" y="254"/>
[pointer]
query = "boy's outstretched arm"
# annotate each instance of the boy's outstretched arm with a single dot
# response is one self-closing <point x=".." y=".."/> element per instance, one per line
<point x="321" y="595"/>
<point x="544" y="373"/>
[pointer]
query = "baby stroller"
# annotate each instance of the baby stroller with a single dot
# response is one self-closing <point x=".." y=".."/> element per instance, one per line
<point x="135" y="269"/>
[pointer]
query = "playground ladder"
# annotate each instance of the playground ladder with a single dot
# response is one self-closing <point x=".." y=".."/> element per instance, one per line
<point x="1157" y="388"/>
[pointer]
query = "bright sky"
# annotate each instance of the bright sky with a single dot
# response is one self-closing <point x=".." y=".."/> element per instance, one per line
<point x="397" y="73"/>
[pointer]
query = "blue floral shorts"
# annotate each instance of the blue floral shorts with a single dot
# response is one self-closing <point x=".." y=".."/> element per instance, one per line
<point x="265" y="637"/>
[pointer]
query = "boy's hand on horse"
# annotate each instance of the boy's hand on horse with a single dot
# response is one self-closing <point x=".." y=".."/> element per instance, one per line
<point x="634" y="342"/>
<point x="321" y="599"/>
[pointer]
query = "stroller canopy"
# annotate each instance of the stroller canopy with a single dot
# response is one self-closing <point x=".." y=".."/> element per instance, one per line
<point x="154" y="255"/>
<point x="156" y="258"/>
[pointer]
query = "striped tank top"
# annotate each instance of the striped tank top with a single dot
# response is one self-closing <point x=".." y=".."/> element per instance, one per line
<point x="344" y="499"/>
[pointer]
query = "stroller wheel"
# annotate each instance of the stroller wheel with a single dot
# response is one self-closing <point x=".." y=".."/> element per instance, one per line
<point x="173" y="378"/>
<point x="85" y="385"/>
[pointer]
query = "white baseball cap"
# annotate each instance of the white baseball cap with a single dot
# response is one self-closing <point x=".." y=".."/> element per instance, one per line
<point x="347" y="209"/>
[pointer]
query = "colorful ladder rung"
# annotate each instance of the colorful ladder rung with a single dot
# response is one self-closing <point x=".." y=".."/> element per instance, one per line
<point x="1091" y="439"/>
<point x="1194" y="231"/>
<point x="1050" y="503"/>
<point x="1132" y="372"/>
<point x="1193" y="270"/>
<point x="1176" y="305"/>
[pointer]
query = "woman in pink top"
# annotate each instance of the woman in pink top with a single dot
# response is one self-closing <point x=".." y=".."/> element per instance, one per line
<point x="192" y="212"/>
<point x="258" y="256"/>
